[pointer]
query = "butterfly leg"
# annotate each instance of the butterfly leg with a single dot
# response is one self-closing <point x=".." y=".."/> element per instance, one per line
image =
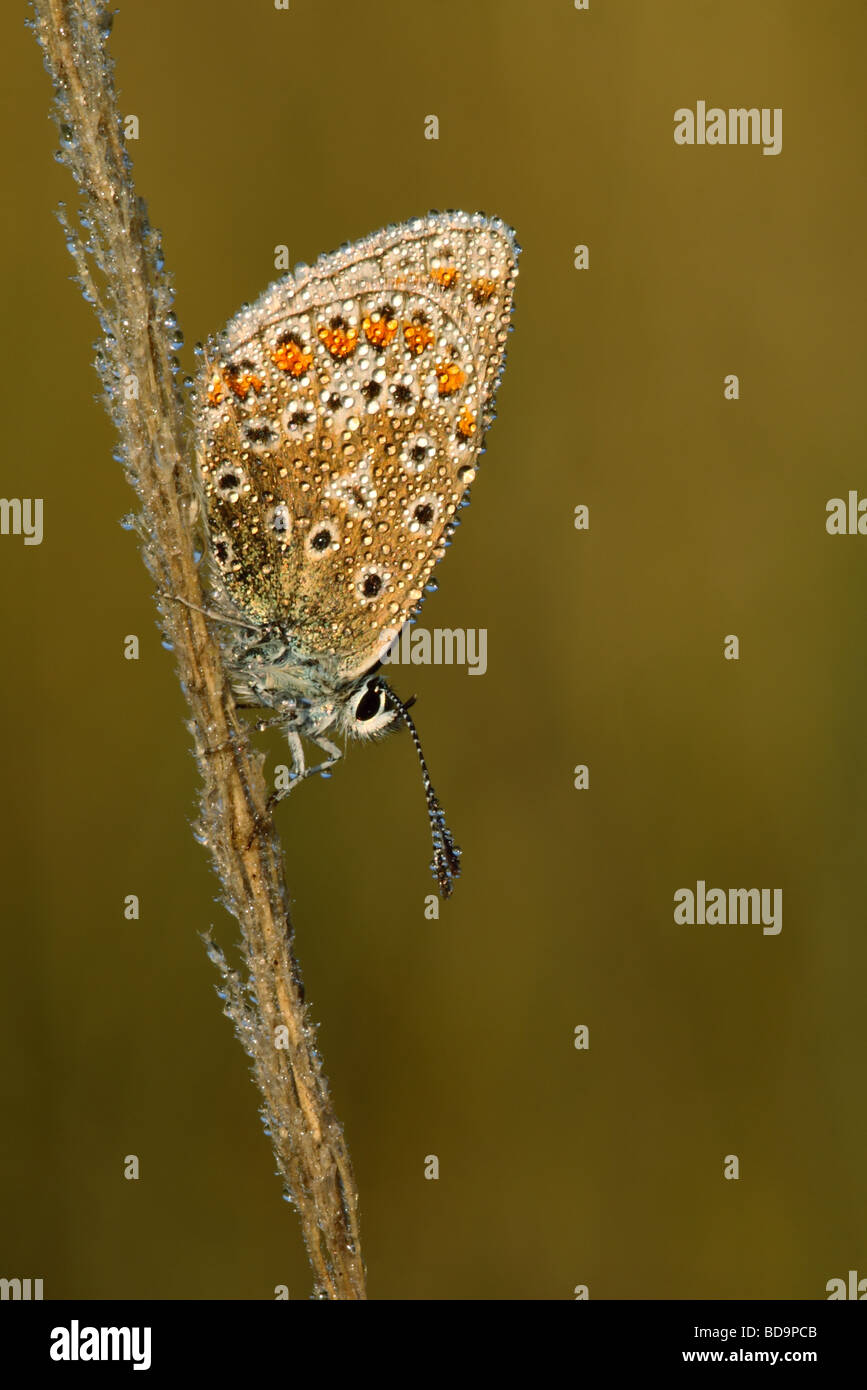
<point x="262" y="724"/>
<point x="333" y="755"/>
<point x="300" y="771"/>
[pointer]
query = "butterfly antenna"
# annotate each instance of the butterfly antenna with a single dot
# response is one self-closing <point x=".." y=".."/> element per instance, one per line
<point x="446" y="864"/>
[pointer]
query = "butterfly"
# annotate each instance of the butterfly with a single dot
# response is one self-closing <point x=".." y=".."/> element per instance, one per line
<point x="338" y="426"/>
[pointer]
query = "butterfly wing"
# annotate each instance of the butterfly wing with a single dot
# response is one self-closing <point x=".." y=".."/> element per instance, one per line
<point x="339" y="423"/>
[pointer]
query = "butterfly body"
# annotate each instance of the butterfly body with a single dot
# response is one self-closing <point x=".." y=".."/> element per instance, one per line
<point x="339" y="421"/>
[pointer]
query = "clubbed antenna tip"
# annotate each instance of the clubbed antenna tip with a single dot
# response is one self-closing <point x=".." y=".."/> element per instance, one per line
<point x="446" y="862"/>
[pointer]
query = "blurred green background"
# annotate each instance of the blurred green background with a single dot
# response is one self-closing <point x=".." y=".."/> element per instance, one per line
<point x="454" y="1037"/>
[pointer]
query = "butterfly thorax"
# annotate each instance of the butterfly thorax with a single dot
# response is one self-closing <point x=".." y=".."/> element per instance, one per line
<point x="266" y="670"/>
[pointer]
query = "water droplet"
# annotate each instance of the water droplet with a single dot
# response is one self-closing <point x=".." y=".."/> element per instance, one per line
<point x="176" y="337"/>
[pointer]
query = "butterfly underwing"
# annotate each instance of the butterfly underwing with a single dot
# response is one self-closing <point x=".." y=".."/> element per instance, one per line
<point x="339" y="422"/>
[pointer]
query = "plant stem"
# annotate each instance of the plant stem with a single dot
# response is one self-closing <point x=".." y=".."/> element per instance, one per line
<point x="120" y="269"/>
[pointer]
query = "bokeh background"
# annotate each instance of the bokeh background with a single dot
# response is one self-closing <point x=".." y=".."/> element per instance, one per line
<point x="455" y="1037"/>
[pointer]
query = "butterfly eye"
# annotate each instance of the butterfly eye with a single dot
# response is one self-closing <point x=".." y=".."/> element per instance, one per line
<point x="370" y="704"/>
<point x="368" y="712"/>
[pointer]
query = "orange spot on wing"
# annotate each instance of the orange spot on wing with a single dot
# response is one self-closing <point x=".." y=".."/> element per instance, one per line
<point x="419" y="336"/>
<point x="216" y="390"/>
<point x="450" y="378"/>
<point x="482" y="290"/>
<point x="379" y="327"/>
<point x="445" y="275"/>
<point x="466" y="426"/>
<point x="338" y="338"/>
<point x="233" y="378"/>
<point x="245" y="382"/>
<point x="289" y="355"/>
